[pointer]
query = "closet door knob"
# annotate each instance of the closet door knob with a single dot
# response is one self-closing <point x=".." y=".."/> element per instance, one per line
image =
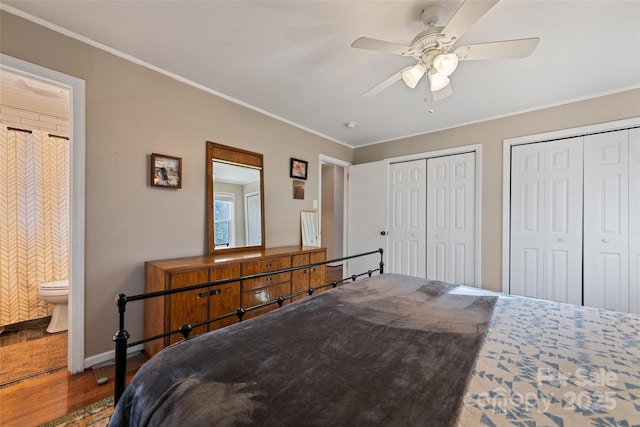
<point x="605" y="240"/>
<point x="560" y="239"/>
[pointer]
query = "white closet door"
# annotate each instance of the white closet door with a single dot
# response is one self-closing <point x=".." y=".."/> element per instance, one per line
<point x="451" y="218"/>
<point x="634" y="220"/>
<point x="546" y="220"/>
<point x="527" y="220"/>
<point x="407" y="218"/>
<point x="462" y="224"/>
<point x="563" y="221"/>
<point x="438" y="207"/>
<point x="606" y="221"/>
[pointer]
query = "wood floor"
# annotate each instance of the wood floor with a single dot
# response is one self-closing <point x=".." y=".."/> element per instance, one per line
<point x="42" y="399"/>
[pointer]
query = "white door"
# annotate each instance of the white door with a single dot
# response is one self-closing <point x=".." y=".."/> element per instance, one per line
<point x="254" y="225"/>
<point x="606" y="220"/>
<point x="526" y="274"/>
<point x="366" y="214"/>
<point x="462" y="225"/>
<point x="546" y="220"/>
<point x="407" y="218"/>
<point x="451" y="218"/>
<point x="634" y="220"/>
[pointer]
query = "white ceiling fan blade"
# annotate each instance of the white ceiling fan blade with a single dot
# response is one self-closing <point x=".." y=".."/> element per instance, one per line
<point x="382" y="46"/>
<point x="465" y="17"/>
<point x="498" y="50"/>
<point x="385" y="83"/>
<point x="441" y="94"/>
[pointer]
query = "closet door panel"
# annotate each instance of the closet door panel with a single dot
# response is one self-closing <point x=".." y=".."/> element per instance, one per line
<point x="606" y="221"/>
<point x="563" y="221"/>
<point x="527" y="214"/>
<point x="407" y="230"/>
<point x="396" y="218"/>
<point x="634" y="221"/>
<point x="546" y="220"/>
<point x="438" y="215"/>
<point x="416" y="221"/>
<point x="462" y="235"/>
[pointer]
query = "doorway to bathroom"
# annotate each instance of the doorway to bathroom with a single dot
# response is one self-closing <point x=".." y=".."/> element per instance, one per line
<point x="332" y="212"/>
<point x="34" y="217"/>
<point x="46" y="85"/>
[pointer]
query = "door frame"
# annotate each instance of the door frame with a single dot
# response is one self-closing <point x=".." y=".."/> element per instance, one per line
<point x="76" y="88"/>
<point x="474" y="148"/>
<point x="324" y="159"/>
<point x="506" y="175"/>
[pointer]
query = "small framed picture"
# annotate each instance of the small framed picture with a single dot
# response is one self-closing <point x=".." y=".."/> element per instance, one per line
<point x="298" y="169"/>
<point x="166" y="171"/>
<point x="298" y="189"/>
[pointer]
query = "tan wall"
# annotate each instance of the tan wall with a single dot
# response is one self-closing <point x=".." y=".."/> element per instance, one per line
<point x="491" y="134"/>
<point x="131" y="112"/>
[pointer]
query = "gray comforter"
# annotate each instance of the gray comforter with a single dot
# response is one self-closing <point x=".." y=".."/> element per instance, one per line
<point x="389" y="350"/>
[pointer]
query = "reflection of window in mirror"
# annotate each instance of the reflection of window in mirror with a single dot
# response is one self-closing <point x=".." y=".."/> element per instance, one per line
<point x="224" y="209"/>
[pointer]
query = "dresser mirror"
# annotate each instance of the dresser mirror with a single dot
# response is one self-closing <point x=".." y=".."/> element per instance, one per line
<point x="235" y="199"/>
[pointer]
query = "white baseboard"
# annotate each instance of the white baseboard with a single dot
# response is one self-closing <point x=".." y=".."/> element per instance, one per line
<point x="109" y="356"/>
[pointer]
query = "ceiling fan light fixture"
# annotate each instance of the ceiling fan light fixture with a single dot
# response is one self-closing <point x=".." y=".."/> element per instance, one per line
<point x="438" y="81"/>
<point x="446" y="64"/>
<point x="412" y="76"/>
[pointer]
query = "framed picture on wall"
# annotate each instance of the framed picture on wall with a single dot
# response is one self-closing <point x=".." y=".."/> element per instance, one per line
<point x="298" y="169"/>
<point x="298" y="189"/>
<point x="166" y="171"/>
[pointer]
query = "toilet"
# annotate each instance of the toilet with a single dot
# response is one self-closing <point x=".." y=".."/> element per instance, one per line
<point x="56" y="293"/>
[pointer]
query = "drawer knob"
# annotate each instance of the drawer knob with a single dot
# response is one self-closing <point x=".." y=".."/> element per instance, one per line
<point x="269" y="265"/>
<point x="268" y="279"/>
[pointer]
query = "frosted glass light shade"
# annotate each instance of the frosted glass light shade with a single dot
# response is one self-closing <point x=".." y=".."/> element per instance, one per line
<point x="412" y="76"/>
<point x="446" y="64"/>
<point x="438" y="81"/>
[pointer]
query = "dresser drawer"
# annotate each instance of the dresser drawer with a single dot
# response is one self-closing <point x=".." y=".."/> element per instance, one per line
<point x="265" y="265"/>
<point x="260" y="296"/>
<point x="264" y="281"/>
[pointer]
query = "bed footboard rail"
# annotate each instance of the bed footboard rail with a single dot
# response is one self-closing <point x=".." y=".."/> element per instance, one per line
<point x="121" y="337"/>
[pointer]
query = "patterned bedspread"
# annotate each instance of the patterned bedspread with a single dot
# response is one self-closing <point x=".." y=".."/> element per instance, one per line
<point x="550" y="364"/>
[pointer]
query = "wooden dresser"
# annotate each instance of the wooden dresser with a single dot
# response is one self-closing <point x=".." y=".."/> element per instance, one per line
<point x="163" y="314"/>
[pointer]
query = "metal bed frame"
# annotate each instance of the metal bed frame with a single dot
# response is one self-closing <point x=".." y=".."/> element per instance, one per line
<point x="121" y="337"/>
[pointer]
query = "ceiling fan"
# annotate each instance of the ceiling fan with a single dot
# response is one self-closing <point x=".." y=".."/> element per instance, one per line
<point x="431" y="48"/>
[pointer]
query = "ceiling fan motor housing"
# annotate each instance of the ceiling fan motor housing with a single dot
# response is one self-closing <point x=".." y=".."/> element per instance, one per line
<point x="431" y="15"/>
<point x="427" y="40"/>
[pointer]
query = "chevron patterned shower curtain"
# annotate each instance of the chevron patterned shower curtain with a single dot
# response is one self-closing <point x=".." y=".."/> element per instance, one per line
<point x="34" y="220"/>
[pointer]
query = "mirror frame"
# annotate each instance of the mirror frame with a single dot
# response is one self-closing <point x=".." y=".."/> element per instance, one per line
<point x="239" y="157"/>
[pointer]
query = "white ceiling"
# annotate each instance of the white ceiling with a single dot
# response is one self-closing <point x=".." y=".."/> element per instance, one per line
<point x="293" y="60"/>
